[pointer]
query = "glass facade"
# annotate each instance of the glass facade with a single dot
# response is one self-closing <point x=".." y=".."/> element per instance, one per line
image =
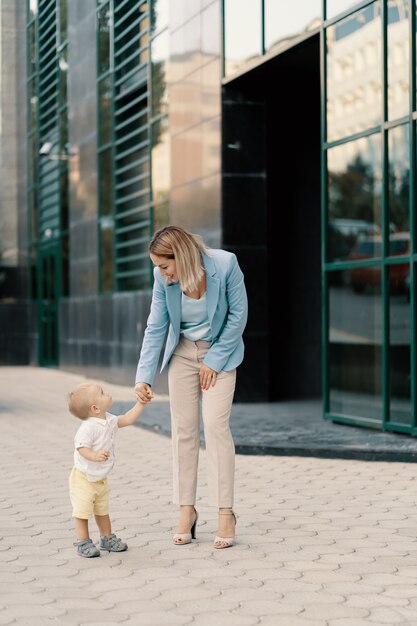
<point x="368" y="215"/>
<point x="48" y="173"/>
<point x="368" y="190"/>
<point x="133" y="150"/>
<point x="268" y="26"/>
<point x="160" y="79"/>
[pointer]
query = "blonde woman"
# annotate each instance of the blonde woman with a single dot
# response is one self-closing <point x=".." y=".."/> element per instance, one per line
<point x="200" y="294"/>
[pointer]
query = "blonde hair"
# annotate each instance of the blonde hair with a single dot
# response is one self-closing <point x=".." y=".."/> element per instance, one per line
<point x="173" y="242"/>
<point x="81" y="400"/>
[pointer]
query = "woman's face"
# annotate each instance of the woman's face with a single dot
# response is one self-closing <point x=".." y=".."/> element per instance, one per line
<point x="166" y="267"/>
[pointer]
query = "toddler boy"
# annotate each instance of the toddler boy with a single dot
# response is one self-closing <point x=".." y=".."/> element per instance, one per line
<point x="93" y="461"/>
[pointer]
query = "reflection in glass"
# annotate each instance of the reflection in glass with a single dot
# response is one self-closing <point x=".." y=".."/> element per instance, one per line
<point x="355" y="334"/>
<point x="160" y="214"/>
<point x="33" y="8"/>
<point x="33" y="207"/>
<point x="159" y="15"/>
<point x="33" y="158"/>
<point x="354" y="199"/>
<point x="354" y="89"/>
<point x="63" y="76"/>
<point x="34" y="103"/>
<point x="106" y="255"/>
<point x="103" y="40"/>
<point x="399" y="189"/>
<point x="399" y="355"/>
<point x="105" y="102"/>
<point x="159" y="56"/>
<point x="243" y="32"/>
<point x="32" y="50"/>
<point x="334" y="7"/>
<point x="398" y="58"/>
<point x="160" y="160"/>
<point x="63" y="21"/>
<point x="105" y="182"/>
<point x="282" y="26"/>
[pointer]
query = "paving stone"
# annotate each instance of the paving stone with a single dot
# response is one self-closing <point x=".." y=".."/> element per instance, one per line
<point x="325" y="542"/>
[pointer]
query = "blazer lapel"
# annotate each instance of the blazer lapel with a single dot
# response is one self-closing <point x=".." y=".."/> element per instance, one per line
<point x="212" y="287"/>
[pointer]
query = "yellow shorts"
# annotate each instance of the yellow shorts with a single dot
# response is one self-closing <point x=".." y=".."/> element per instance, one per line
<point x="88" y="498"/>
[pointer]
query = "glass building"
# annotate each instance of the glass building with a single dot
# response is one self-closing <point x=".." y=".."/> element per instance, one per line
<point x="284" y="134"/>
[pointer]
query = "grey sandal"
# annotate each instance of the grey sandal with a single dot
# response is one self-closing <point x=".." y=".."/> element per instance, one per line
<point x="87" y="548"/>
<point x="111" y="543"/>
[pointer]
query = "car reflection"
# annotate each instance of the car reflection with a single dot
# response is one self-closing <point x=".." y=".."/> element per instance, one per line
<point x="371" y="248"/>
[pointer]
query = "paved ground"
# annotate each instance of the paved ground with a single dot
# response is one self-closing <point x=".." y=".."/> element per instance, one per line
<point x="321" y="542"/>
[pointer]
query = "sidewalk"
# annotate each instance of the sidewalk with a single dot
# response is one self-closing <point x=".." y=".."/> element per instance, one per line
<point x="321" y="542"/>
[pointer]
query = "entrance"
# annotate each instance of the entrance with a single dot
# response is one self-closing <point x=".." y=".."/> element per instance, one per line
<point x="271" y="181"/>
<point x="48" y="300"/>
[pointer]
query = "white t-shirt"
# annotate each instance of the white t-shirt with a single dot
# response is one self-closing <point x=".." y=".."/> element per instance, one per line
<point x="97" y="434"/>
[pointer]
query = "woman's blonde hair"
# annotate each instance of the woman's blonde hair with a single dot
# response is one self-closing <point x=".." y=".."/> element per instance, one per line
<point x="173" y="242"/>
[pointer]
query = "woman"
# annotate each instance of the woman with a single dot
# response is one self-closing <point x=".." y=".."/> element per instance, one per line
<point x="201" y="295"/>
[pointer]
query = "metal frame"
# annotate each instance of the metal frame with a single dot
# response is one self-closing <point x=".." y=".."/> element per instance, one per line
<point x="385" y="261"/>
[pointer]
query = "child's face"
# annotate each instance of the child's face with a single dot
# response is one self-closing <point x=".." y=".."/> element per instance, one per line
<point x="101" y="400"/>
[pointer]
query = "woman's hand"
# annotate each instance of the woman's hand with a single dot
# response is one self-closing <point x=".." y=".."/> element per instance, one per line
<point x="208" y="377"/>
<point x="143" y="393"/>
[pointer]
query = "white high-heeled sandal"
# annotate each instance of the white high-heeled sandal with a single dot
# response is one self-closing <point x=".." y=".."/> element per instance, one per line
<point x="229" y="541"/>
<point x="185" y="538"/>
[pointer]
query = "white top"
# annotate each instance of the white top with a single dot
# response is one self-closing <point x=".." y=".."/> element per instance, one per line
<point x="97" y="434"/>
<point x="195" y="323"/>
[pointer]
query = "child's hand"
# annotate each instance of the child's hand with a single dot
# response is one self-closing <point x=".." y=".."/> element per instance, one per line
<point x="104" y="455"/>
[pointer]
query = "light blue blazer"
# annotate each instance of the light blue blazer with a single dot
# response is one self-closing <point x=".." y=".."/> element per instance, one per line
<point x="227" y="308"/>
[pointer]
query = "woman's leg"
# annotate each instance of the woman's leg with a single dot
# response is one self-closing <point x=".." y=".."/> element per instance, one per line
<point x="184" y="396"/>
<point x="216" y="408"/>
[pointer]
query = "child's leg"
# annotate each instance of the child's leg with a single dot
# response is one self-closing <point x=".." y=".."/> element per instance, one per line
<point x="104" y="524"/>
<point x="81" y="528"/>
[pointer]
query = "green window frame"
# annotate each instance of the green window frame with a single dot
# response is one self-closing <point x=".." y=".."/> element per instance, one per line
<point x="385" y="263"/>
<point x="125" y="151"/>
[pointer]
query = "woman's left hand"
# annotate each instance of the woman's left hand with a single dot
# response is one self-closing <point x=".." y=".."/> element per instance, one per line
<point x="208" y="377"/>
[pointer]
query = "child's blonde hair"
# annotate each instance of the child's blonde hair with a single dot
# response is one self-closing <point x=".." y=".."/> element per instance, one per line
<point x="176" y="243"/>
<point x="81" y="399"/>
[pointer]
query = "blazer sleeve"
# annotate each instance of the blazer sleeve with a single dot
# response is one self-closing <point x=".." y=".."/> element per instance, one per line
<point x="154" y="335"/>
<point x="231" y="335"/>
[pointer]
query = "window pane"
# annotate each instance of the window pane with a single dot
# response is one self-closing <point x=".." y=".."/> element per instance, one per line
<point x="32" y="50"/>
<point x="63" y="76"/>
<point x="159" y="55"/>
<point x="33" y="8"/>
<point x="355" y="332"/>
<point x="105" y="182"/>
<point x="34" y="105"/>
<point x="105" y="102"/>
<point x="107" y="255"/>
<point x="243" y="32"/>
<point x="159" y="14"/>
<point x="283" y="26"/>
<point x="399" y="348"/>
<point x="63" y="21"/>
<point x="354" y="73"/>
<point x="103" y="40"/>
<point x="334" y="7"/>
<point x="160" y="160"/>
<point x="398" y="58"/>
<point x="354" y="199"/>
<point x="398" y="189"/>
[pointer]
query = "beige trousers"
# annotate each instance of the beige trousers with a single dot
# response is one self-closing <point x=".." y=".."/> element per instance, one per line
<point x="186" y="397"/>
